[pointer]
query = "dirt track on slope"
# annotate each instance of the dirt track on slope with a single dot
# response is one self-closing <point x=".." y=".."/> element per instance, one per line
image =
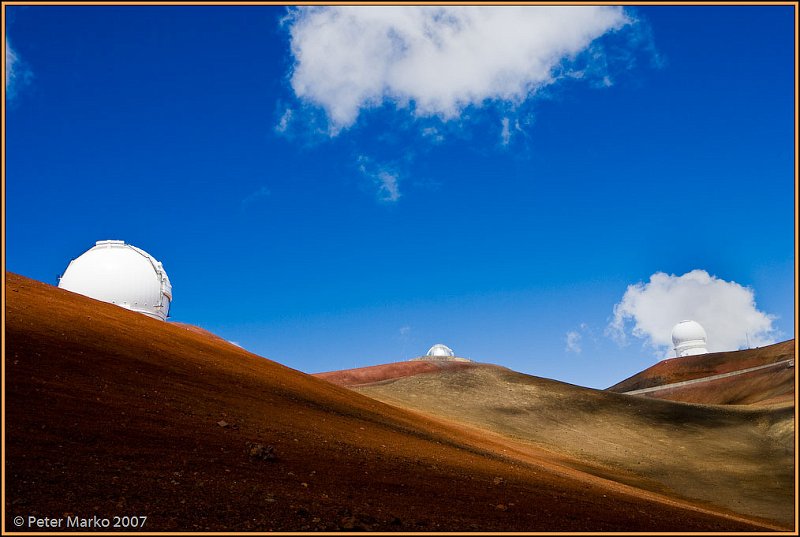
<point x="772" y="385"/>
<point x="705" y="365"/>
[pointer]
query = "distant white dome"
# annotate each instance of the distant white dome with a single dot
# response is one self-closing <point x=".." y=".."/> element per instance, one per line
<point x="441" y="351"/>
<point x="121" y="274"/>
<point x="689" y="338"/>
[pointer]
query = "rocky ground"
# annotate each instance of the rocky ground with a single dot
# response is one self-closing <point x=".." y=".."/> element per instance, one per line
<point x="111" y="413"/>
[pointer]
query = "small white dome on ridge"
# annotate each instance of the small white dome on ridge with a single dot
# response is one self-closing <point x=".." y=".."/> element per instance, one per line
<point x="689" y="338"/>
<point x="440" y="350"/>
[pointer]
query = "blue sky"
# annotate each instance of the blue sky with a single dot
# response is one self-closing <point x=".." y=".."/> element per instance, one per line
<point x="337" y="207"/>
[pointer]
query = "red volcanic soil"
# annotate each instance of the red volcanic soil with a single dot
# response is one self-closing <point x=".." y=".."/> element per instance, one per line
<point x="769" y="386"/>
<point x="384" y="372"/>
<point x="198" y="330"/>
<point x="109" y="412"/>
<point x="751" y="388"/>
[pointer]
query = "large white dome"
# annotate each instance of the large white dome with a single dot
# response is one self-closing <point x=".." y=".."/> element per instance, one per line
<point x="689" y="338"/>
<point x="440" y="350"/>
<point x="121" y="274"/>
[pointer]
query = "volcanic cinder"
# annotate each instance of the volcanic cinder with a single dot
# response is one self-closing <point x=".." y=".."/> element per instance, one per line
<point x="737" y="457"/>
<point x="109" y="412"/>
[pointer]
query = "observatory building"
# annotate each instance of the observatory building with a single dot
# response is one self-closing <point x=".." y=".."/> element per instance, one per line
<point x="689" y="338"/>
<point x="121" y="274"/>
<point x="441" y="353"/>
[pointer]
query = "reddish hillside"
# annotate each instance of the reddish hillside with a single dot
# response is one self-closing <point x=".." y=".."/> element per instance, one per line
<point x="768" y="386"/>
<point x="741" y="389"/>
<point x="198" y="330"/>
<point x="109" y="412"/>
<point x="381" y="373"/>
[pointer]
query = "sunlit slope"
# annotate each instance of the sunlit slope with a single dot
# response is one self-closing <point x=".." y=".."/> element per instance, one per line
<point x="111" y="412"/>
<point x="771" y="379"/>
<point x="392" y="371"/>
<point x="739" y="458"/>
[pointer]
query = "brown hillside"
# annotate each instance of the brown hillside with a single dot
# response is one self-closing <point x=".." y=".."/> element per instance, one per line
<point x="739" y="458"/>
<point x="770" y="386"/>
<point x="198" y="330"/>
<point x="704" y="365"/>
<point x="111" y="412"/>
<point x="395" y="370"/>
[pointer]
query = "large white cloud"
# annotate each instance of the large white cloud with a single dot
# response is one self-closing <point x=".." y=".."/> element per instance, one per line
<point x="727" y="310"/>
<point x="437" y="60"/>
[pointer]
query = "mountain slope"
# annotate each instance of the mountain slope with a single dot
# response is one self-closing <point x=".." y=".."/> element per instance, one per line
<point x="109" y="412"/>
<point x="773" y="381"/>
<point x="379" y="373"/>
<point x="739" y="458"/>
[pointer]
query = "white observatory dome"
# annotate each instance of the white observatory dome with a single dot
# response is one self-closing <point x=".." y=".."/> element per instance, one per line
<point x="441" y="351"/>
<point x="121" y="274"/>
<point x="689" y="338"/>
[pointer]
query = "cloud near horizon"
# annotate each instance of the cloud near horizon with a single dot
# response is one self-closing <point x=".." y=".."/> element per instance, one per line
<point x="436" y="60"/>
<point x="726" y="309"/>
<point x="573" y="340"/>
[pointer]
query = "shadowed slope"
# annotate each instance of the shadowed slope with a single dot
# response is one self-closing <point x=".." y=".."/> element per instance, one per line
<point x="736" y="457"/>
<point x="111" y="412"/>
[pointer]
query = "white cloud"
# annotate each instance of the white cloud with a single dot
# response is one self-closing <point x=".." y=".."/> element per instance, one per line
<point x="436" y="60"/>
<point x="727" y="311"/>
<point x="573" y="339"/>
<point x="386" y="179"/>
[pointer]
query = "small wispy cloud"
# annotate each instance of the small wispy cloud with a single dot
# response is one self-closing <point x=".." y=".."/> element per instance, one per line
<point x="385" y="178"/>
<point x="18" y="74"/>
<point x="389" y="190"/>
<point x="283" y="122"/>
<point x="573" y="340"/>
<point x="432" y="134"/>
<point x="509" y="128"/>
<point x="505" y="134"/>
<point x="405" y="338"/>
<point x="11" y="60"/>
<point x="254" y="197"/>
<point x="578" y="339"/>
